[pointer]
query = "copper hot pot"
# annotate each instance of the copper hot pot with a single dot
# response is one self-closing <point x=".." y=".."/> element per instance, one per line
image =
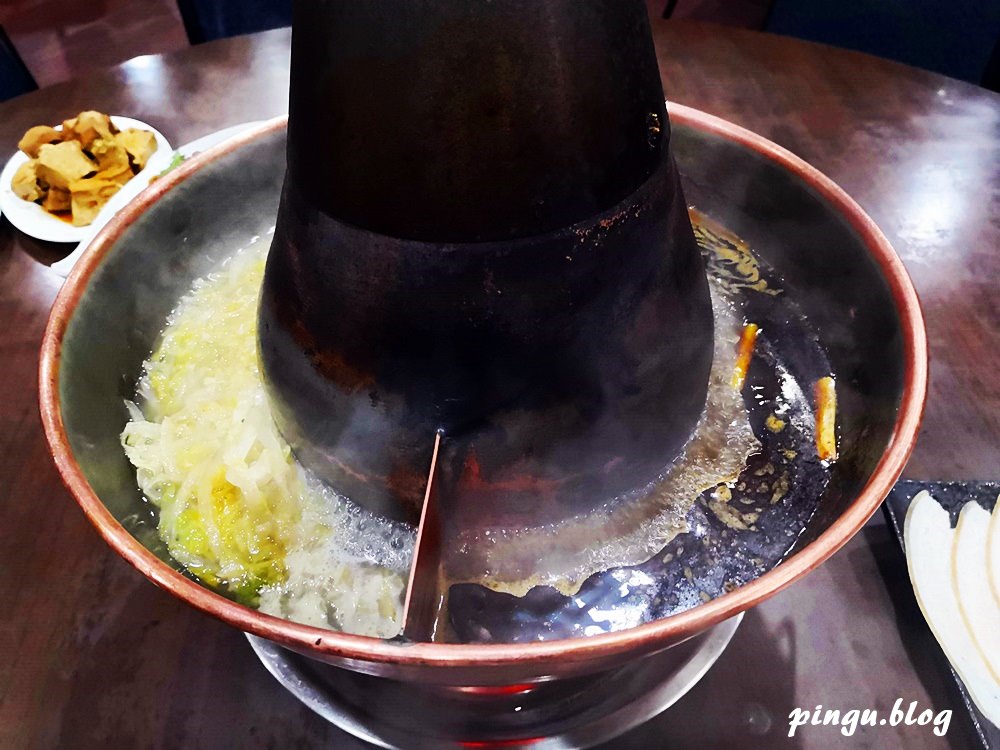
<point x="833" y="258"/>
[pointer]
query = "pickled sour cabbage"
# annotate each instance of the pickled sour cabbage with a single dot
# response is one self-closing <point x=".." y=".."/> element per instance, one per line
<point x="234" y="507"/>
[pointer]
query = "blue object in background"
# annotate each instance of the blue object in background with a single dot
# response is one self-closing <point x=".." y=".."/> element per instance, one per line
<point x="954" y="37"/>
<point x="15" y="78"/>
<point x="205" y="20"/>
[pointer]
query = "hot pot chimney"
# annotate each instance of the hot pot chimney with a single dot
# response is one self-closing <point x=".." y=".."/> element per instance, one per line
<point x="482" y="232"/>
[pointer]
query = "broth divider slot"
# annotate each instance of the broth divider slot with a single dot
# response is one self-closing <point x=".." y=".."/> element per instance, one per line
<point x="425" y="594"/>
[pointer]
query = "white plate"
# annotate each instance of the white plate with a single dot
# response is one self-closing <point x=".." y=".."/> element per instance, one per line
<point x="32" y="219"/>
<point x="64" y="266"/>
<point x="206" y="142"/>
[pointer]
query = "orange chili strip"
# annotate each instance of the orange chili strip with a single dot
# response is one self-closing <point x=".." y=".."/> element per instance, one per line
<point x="826" y="419"/>
<point x="748" y="339"/>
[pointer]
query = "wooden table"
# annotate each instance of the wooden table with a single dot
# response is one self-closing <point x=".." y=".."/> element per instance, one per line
<point x="93" y="656"/>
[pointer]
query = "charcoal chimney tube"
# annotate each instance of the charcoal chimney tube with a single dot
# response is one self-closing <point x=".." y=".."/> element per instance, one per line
<point x="482" y="231"/>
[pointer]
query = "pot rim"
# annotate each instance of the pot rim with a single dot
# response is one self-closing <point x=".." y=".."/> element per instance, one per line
<point x="336" y="646"/>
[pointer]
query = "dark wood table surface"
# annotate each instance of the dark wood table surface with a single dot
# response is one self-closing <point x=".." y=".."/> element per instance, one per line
<point x="93" y="656"/>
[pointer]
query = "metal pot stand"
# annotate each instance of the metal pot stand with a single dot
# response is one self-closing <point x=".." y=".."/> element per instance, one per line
<point x="570" y="713"/>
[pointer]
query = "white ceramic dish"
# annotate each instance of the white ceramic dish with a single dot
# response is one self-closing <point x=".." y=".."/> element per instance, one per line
<point x="33" y="220"/>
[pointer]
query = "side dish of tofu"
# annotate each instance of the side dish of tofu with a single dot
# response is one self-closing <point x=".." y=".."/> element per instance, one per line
<point x="73" y="171"/>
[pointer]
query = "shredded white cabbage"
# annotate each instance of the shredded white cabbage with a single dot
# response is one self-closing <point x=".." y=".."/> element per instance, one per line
<point x="234" y="507"/>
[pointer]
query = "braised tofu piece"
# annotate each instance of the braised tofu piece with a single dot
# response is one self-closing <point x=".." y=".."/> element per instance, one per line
<point x="140" y="144"/>
<point x="57" y="200"/>
<point x="85" y="208"/>
<point x="25" y="183"/>
<point x="90" y="195"/>
<point x="89" y="126"/>
<point x="118" y="175"/>
<point x="59" y="164"/>
<point x="37" y="137"/>
<point x="110" y="155"/>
